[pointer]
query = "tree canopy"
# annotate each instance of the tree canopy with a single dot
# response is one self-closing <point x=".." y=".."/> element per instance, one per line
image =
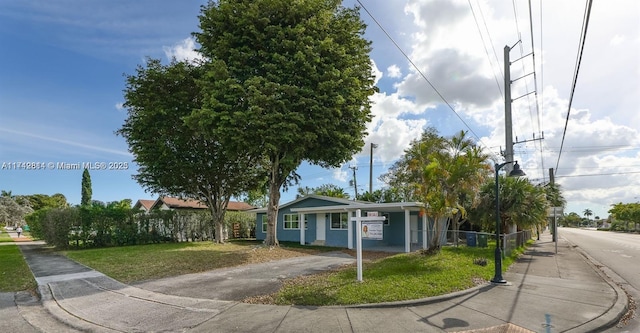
<point x="329" y="190"/>
<point x="521" y="203"/>
<point x="175" y="158"/>
<point x="285" y="81"/>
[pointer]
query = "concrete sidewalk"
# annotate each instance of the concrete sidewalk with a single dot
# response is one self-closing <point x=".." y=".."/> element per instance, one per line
<point x="547" y="292"/>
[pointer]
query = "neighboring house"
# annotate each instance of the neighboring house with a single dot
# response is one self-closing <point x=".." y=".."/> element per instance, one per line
<point x="167" y="203"/>
<point x="191" y="226"/>
<point x="328" y="221"/>
<point x="144" y="205"/>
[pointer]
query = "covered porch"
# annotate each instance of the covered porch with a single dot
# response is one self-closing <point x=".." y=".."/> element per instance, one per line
<point x="405" y="229"/>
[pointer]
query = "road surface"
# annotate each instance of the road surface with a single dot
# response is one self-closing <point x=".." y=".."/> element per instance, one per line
<point x="620" y="253"/>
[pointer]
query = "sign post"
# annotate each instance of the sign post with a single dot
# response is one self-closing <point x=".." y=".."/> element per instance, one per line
<point x="369" y="227"/>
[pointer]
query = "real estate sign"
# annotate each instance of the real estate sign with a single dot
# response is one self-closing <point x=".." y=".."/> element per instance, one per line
<point x="372" y="230"/>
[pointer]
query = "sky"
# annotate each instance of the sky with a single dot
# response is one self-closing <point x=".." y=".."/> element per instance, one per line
<point x="438" y="63"/>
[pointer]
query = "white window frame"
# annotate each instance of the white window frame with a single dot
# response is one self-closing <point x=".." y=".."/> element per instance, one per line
<point x="295" y="219"/>
<point x="344" y="225"/>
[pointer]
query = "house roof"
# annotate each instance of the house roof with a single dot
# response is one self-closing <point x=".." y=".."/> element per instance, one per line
<point x="142" y="203"/>
<point x="236" y="205"/>
<point x="385" y="207"/>
<point x="176" y="203"/>
<point x="339" y="202"/>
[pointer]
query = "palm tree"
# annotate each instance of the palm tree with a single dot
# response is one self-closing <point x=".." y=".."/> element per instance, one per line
<point x="587" y="212"/>
<point x="521" y="203"/>
<point x="444" y="173"/>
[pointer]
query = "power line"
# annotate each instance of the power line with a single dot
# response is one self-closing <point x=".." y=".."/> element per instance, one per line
<point x="423" y="75"/>
<point x="485" y="48"/>
<point x="486" y="28"/>
<point x="599" y="174"/>
<point x="535" y="84"/>
<point x="583" y="36"/>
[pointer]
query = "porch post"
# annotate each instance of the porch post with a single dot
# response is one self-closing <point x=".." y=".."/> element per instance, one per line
<point x="424" y="231"/>
<point x="301" y="225"/>
<point x="407" y="231"/>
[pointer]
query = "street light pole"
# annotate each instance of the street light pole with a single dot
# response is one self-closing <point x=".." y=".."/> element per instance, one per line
<point x="516" y="172"/>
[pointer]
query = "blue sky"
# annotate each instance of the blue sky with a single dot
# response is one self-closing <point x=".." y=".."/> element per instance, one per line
<point x="62" y="64"/>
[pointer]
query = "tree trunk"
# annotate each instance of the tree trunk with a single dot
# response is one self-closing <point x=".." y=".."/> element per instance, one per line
<point x="439" y="225"/>
<point x="272" y="214"/>
<point x="218" y="208"/>
<point x="272" y="207"/>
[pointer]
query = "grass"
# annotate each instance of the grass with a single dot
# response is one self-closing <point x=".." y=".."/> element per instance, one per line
<point x="15" y="275"/>
<point x="396" y="278"/>
<point x="5" y="238"/>
<point x="144" y="262"/>
<point x="386" y="278"/>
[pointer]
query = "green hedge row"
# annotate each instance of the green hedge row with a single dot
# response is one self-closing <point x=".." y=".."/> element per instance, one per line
<point x="98" y="226"/>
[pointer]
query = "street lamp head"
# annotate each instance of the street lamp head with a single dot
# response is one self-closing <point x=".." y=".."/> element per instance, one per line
<point x="516" y="172"/>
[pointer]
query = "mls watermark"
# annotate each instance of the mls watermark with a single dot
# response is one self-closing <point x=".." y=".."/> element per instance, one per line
<point x="115" y="166"/>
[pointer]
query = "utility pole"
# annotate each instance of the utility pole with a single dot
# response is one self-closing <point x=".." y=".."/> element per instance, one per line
<point x="508" y="126"/>
<point x="373" y="145"/>
<point x="355" y="183"/>
<point x="555" y="218"/>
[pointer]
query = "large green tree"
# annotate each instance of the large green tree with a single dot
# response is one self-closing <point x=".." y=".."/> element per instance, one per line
<point x="173" y="157"/>
<point x="42" y="201"/>
<point x="86" y="191"/>
<point x="13" y="209"/>
<point x="286" y="81"/>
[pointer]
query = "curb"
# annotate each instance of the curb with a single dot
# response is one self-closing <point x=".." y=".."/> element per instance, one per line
<point x="61" y="315"/>
<point x="422" y="301"/>
<point x="615" y="312"/>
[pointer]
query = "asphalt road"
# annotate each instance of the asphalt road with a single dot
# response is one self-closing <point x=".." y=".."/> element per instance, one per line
<point x="620" y="253"/>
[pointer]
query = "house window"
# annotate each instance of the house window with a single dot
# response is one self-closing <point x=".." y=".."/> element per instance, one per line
<point x="292" y="221"/>
<point x="265" y="221"/>
<point x="340" y="221"/>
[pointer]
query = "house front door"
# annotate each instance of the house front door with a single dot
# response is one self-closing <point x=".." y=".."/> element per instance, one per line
<point x="321" y="226"/>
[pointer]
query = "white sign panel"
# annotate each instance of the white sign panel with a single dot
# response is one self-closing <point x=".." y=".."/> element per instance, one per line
<point x="372" y="230"/>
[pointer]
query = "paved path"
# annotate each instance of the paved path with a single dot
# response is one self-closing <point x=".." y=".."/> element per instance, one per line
<point x="547" y="292"/>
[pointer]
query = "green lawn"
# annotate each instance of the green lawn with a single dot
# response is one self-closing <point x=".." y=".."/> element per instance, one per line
<point x="14" y="272"/>
<point x="143" y="262"/>
<point x="396" y="278"/>
<point x="4" y="237"/>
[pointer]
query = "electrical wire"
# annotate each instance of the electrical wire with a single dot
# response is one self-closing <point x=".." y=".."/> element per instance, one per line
<point x="599" y="174"/>
<point x="485" y="49"/>
<point x="423" y="75"/>
<point x="583" y="36"/>
<point x="535" y="86"/>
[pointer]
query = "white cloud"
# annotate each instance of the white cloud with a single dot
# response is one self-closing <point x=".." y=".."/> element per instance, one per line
<point x="120" y="106"/>
<point x="377" y="74"/>
<point x="445" y="45"/>
<point x="393" y="71"/>
<point x="183" y="51"/>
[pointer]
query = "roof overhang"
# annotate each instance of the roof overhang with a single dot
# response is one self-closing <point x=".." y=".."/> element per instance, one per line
<point x="384" y="207"/>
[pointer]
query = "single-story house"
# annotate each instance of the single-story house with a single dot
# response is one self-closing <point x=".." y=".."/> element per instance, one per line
<point x="328" y="221"/>
<point x="166" y="203"/>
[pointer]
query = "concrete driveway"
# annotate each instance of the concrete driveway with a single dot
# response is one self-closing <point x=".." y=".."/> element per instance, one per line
<point x="238" y="283"/>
